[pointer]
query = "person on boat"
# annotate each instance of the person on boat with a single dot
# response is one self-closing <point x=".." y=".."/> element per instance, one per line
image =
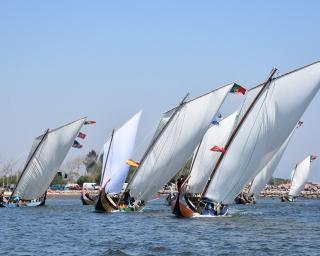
<point x="180" y="182"/>
<point x="1" y="197"/>
<point x="127" y="198"/>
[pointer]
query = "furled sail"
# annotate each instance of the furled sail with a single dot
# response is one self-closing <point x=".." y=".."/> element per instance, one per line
<point x="45" y="160"/>
<point x="117" y="150"/>
<point x="263" y="177"/>
<point x="265" y="129"/>
<point x="300" y="177"/>
<point x="175" y="143"/>
<point x="205" y="159"/>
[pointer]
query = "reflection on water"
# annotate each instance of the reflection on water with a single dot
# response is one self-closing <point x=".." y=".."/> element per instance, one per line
<point x="65" y="227"/>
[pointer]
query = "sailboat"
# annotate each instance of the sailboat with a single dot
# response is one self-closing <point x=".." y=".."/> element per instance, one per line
<point x="299" y="177"/>
<point x="116" y="151"/>
<point x="267" y="117"/>
<point x="178" y="133"/>
<point x="47" y="154"/>
<point x="202" y="162"/>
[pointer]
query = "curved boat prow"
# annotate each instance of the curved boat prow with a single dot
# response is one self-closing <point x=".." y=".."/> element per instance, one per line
<point x="105" y="203"/>
<point x="180" y="209"/>
<point x="186" y="209"/>
<point x="86" y="199"/>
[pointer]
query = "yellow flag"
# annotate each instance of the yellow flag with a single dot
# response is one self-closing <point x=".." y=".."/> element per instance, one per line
<point x="132" y="163"/>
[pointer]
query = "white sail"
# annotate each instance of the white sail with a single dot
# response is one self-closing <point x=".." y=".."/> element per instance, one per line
<point x="300" y="177"/>
<point x="265" y="129"/>
<point x="46" y="161"/>
<point x="176" y="143"/>
<point x="263" y="177"/>
<point x="250" y="96"/>
<point x="205" y="159"/>
<point x="114" y="165"/>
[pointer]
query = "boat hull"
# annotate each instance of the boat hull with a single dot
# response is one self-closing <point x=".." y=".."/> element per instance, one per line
<point x="244" y="200"/>
<point x="287" y="199"/>
<point x="106" y="204"/>
<point x="24" y="204"/>
<point x="182" y="207"/>
<point x="87" y="199"/>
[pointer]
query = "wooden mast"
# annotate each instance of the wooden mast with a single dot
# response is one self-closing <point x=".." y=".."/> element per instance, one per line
<point x="235" y="132"/>
<point x="105" y="163"/>
<point x="156" y="138"/>
<point x="29" y="160"/>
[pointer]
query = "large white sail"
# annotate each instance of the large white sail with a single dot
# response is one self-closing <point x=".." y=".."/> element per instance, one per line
<point x="114" y="167"/>
<point x="205" y="159"/>
<point x="263" y="177"/>
<point x="46" y="160"/>
<point x="300" y="177"/>
<point x="265" y="129"/>
<point x="176" y="143"/>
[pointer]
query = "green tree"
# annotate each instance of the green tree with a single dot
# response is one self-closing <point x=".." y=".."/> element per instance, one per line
<point x="85" y="179"/>
<point x="278" y="181"/>
<point x="58" y="180"/>
<point x="185" y="171"/>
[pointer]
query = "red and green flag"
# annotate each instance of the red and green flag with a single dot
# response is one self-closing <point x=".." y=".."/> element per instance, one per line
<point x="238" y="89"/>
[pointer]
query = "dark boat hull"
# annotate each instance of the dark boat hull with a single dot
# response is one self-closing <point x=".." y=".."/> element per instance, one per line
<point x="107" y="204"/>
<point x="182" y="207"/>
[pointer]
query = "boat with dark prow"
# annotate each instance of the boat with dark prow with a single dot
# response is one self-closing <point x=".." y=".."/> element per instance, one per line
<point x="47" y="153"/>
<point x="116" y="161"/>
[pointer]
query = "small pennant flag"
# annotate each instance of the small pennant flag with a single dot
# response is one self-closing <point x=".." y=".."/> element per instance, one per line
<point x="76" y="144"/>
<point x="132" y="163"/>
<point x="89" y="122"/>
<point x="218" y="149"/>
<point x="216" y="119"/>
<point x="313" y="158"/>
<point x="81" y="135"/>
<point x="238" y="89"/>
<point x="299" y="124"/>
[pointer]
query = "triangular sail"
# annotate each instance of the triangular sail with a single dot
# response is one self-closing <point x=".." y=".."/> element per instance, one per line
<point x="114" y="167"/>
<point x="176" y="143"/>
<point x="206" y="159"/>
<point x="300" y="177"/>
<point x="265" y="129"/>
<point x="46" y="161"/>
<point x="263" y="177"/>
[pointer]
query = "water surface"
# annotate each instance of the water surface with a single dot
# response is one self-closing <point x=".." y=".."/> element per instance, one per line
<point x="65" y="227"/>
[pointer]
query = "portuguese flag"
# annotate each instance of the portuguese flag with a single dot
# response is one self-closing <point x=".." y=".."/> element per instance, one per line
<point x="238" y="89"/>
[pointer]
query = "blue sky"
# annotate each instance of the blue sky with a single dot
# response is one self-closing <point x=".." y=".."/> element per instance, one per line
<point x="60" y="60"/>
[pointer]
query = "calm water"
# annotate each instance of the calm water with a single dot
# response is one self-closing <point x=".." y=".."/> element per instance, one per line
<point x="65" y="227"/>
